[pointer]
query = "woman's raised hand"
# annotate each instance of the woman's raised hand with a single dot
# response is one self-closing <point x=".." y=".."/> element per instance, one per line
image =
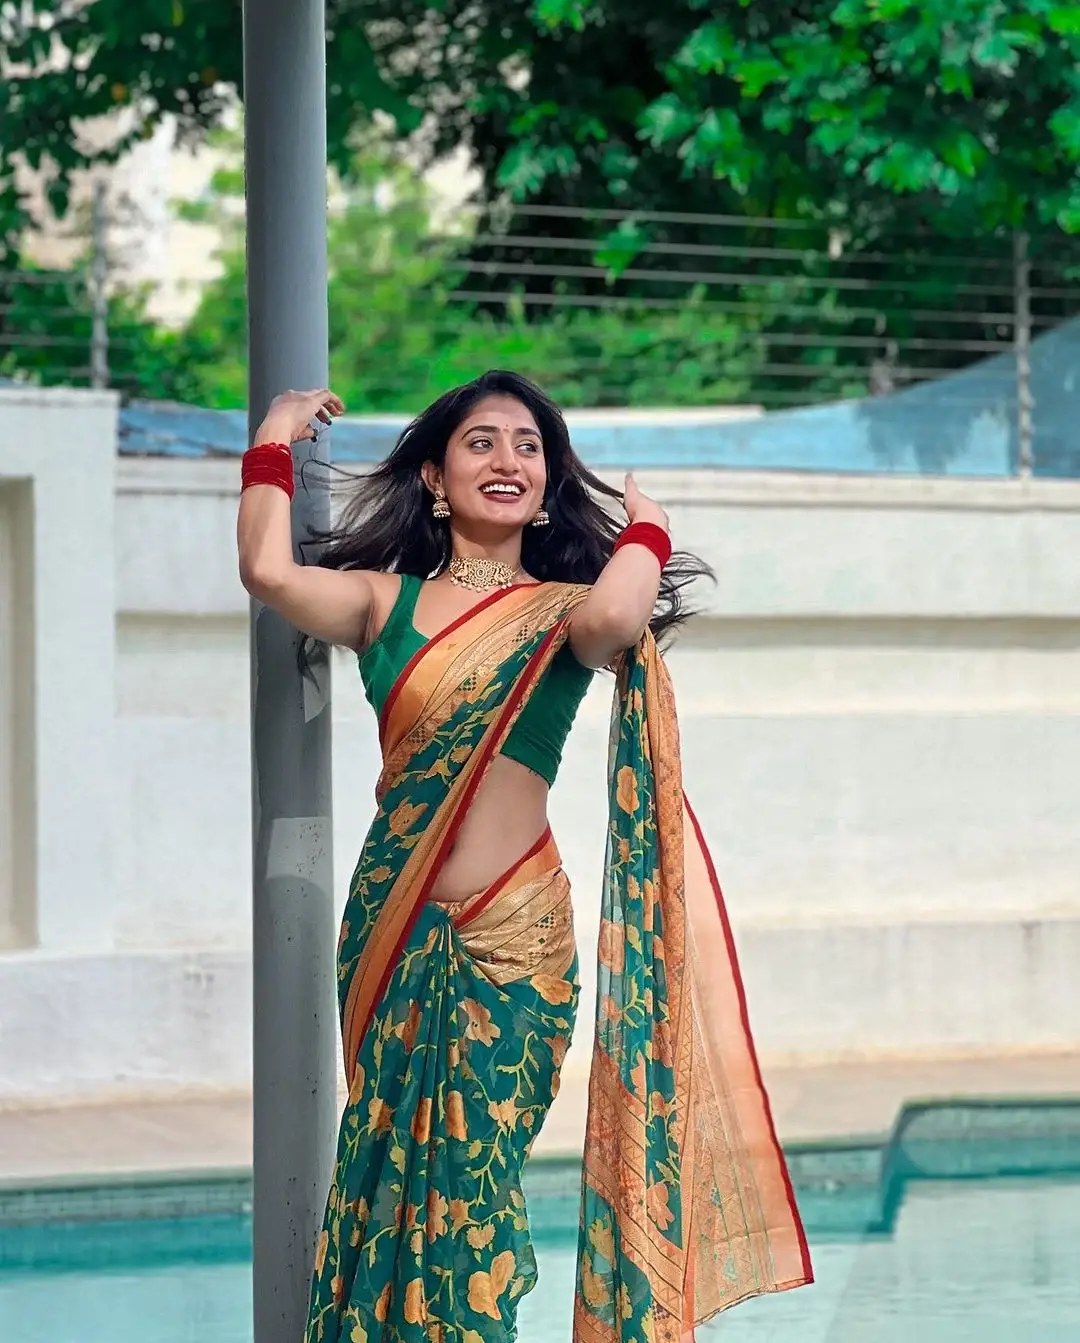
<point x="289" y="418"/>
<point x="640" y="508"/>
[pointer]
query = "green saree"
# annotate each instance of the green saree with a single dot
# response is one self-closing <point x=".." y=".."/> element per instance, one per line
<point x="456" y="1019"/>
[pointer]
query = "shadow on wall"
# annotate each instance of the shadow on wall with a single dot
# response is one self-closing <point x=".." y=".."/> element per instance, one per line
<point x="961" y="425"/>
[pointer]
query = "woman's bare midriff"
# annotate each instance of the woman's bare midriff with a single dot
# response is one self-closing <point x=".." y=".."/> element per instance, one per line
<point x="504" y="820"/>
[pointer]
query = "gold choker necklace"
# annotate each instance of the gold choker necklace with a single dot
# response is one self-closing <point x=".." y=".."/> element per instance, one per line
<point x="480" y="574"/>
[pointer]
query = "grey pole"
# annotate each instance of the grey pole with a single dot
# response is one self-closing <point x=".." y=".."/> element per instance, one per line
<point x="293" y="924"/>
<point x="99" y="282"/>
<point x="1025" y="402"/>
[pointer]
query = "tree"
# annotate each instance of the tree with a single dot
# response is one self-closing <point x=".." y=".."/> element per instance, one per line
<point x="963" y="115"/>
<point x="47" y="336"/>
<point x="919" y="134"/>
<point x="68" y="63"/>
<point x="904" y="142"/>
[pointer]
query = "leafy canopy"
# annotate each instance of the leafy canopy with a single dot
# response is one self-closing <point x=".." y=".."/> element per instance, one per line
<point x="902" y="123"/>
<point x="963" y="114"/>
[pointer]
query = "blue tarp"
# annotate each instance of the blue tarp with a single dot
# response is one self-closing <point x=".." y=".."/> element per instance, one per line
<point x="962" y="425"/>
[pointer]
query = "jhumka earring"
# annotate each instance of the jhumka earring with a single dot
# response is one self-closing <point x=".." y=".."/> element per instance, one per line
<point x="440" y="509"/>
<point x="542" y="519"/>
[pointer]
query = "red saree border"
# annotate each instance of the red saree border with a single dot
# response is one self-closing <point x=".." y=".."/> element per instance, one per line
<point x="484" y="756"/>
<point x="744" y="1016"/>
<point x="432" y="643"/>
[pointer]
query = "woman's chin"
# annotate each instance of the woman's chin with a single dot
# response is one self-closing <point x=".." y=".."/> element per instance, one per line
<point x="504" y="517"/>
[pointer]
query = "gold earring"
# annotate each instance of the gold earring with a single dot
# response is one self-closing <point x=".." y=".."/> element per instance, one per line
<point x="542" y="519"/>
<point x="440" y="509"/>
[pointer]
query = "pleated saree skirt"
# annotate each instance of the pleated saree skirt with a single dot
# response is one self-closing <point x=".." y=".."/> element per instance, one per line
<point x="427" y="1235"/>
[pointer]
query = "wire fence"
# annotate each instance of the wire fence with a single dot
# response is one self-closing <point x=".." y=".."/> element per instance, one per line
<point x="603" y="306"/>
<point x="821" y="314"/>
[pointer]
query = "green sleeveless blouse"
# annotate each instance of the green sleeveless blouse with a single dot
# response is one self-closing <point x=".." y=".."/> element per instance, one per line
<point x="537" y="738"/>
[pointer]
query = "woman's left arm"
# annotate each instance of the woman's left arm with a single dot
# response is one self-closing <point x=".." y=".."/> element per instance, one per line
<point x="614" y="615"/>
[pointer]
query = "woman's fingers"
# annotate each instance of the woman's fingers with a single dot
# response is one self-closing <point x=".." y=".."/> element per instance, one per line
<point x="327" y="404"/>
<point x="631" y="494"/>
<point x="294" y="413"/>
<point x="323" y="405"/>
<point x="317" y="396"/>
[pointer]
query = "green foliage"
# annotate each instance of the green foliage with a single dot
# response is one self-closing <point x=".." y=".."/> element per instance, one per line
<point x="582" y="359"/>
<point x="923" y="132"/>
<point x="969" y="108"/>
<point x="957" y="115"/>
<point x="927" y="130"/>
<point x="398" y="335"/>
<point x="48" y="331"/>
<point x="180" y="59"/>
<point x="941" y="101"/>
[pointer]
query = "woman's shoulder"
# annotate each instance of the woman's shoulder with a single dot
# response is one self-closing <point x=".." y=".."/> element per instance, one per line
<point x="573" y="592"/>
<point x="386" y="590"/>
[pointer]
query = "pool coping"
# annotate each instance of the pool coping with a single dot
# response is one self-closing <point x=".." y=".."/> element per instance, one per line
<point x="209" y="1190"/>
<point x="169" y="1176"/>
<point x="875" y="1167"/>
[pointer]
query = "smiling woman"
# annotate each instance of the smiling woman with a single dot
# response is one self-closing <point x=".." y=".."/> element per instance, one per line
<point x="482" y="583"/>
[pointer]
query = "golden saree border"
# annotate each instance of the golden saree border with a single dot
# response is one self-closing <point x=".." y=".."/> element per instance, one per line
<point x="720" y="1002"/>
<point x="466" y="625"/>
<point x="734" y="1227"/>
<point x="735" y="1184"/>
<point x="441" y="676"/>
<point x="529" y="929"/>
<point x="535" y="863"/>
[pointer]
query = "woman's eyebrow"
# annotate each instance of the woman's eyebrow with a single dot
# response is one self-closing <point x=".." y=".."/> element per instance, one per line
<point x="494" y="429"/>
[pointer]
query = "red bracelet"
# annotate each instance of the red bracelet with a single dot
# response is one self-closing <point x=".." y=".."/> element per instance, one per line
<point x="649" y="535"/>
<point x="268" y="464"/>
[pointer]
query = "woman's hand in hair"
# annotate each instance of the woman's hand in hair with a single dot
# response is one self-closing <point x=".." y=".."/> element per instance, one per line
<point x="640" y="508"/>
<point x="289" y="418"/>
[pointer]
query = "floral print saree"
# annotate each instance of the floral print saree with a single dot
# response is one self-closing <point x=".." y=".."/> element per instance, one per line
<point x="456" y="1019"/>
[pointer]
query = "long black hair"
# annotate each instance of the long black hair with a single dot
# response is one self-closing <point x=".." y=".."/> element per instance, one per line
<point x="387" y="523"/>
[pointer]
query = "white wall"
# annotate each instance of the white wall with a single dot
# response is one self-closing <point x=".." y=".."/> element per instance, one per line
<point x="880" y="732"/>
<point x="57" y="673"/>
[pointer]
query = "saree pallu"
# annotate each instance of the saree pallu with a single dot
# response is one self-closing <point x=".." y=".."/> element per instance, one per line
<point x="456" y="1019"/>
<point x="687" y="1207"/>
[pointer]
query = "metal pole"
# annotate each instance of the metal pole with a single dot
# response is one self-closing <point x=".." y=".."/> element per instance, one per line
<point x="294" y="999"/>
<point x="99" y="297"/>
<point x="1025" y="402"/>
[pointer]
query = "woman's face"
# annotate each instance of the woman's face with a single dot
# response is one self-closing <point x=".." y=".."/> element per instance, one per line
<point x="494" y="473"/>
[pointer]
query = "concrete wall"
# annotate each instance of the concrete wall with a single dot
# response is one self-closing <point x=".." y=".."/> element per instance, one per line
<point x="880" y="725"/>
<point x="57" y="671"/>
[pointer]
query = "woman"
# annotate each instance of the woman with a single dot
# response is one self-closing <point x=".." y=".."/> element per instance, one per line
<point x="482" y="585"/>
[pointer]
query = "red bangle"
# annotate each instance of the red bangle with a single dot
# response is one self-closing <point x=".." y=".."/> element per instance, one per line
<point x="649" y="535"/>
<point x="268" y="464"/>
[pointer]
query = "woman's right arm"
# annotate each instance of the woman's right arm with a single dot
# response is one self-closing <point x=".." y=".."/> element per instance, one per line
<point x="332" y="605"/>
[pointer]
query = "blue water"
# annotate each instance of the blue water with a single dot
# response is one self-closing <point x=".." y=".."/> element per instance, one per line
<point x="993" y="1261"/>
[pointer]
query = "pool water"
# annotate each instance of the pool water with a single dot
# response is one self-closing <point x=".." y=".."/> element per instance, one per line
<point x="994" y="1261"/>
<point x="902" y="1254"/>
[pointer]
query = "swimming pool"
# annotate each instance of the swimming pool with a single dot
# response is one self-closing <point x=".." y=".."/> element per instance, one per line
<point x="963" y="1226"/>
